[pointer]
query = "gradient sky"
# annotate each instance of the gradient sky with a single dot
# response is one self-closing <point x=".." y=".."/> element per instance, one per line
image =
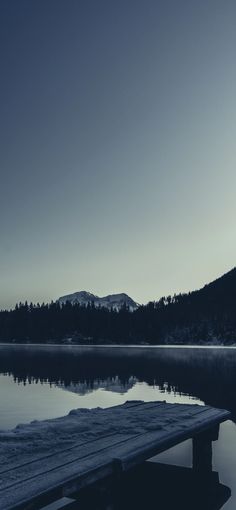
<point x="117" y="160"/>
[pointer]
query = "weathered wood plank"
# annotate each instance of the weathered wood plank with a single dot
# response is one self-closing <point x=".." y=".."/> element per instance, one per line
<point x="151" y="444"/>
<point x="25" y="472"/>
<point x="61" y="473"/>
<point x="63" y="481"/>
<point x="92" y="445"/>
<point x="82" y="449"/>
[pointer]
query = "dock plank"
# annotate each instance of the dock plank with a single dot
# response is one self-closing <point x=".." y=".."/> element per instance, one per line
<point x="146" y="430"/>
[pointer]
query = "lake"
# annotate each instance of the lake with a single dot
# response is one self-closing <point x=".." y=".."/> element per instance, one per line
<point x="39" y="382"/>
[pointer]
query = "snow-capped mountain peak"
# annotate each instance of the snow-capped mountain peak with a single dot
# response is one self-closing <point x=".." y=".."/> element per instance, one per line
<point x="115" y="301"/>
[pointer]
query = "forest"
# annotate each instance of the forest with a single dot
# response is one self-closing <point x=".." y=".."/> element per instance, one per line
<point x="206" y="316"/>
<point x="182" y="319"/>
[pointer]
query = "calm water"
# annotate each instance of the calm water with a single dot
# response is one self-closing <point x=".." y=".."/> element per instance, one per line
<point x="38" y="382"/>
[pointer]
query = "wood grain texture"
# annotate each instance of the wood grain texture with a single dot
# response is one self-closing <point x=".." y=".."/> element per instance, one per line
<point x="62" y="473"/>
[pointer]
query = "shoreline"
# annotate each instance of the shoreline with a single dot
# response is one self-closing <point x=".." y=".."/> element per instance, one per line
<point x="118" y="346"/>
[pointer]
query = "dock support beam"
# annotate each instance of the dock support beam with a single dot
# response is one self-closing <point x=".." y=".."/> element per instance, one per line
<point x="202" y="450"/>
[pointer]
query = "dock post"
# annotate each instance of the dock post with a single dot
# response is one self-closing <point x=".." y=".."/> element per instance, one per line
<point x="202" y="450"/>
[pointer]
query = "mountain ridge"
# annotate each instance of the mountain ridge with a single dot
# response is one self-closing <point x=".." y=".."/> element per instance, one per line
<point x="115" y="301"/>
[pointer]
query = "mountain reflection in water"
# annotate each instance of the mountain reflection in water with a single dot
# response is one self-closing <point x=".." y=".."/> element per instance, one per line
<point x="207" y="374"/>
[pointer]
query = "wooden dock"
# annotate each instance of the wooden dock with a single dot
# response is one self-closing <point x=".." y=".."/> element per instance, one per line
<point x="39" y="481"/>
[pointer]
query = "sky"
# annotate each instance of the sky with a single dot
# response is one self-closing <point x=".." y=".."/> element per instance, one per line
<point x="117" y="160"/>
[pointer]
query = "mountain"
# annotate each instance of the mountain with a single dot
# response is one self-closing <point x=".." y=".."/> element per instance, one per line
<point x="115" y="301"/>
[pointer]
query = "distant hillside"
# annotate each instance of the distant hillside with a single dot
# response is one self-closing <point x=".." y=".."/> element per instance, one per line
<point x="207" y="315"/>
<point x="115" y="301"/>
<point x="222" y="290"/>
<point x="217" y="295"/>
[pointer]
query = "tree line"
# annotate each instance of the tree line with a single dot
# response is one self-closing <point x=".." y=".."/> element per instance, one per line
<point x="198" y="317"/>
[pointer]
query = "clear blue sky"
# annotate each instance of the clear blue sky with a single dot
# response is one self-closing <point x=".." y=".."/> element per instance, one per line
<point x="117" y="161"/>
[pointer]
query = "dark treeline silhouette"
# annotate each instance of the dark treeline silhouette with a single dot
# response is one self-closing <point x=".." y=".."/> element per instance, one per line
<point x="204" y="316"/>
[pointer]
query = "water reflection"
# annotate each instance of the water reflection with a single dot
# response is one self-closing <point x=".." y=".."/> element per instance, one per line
<point x="48" y="381"/>
<point x="113" y="384"/>
<point x="207" y="374"/>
